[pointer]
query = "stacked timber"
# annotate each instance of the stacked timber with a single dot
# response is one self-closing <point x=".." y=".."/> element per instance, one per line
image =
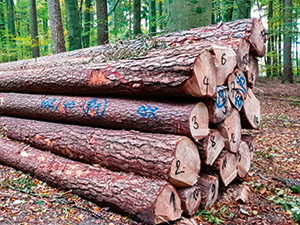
<point x="154" y="136"/>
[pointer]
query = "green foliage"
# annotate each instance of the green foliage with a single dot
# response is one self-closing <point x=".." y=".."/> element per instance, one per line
<point x="209" y="216"/>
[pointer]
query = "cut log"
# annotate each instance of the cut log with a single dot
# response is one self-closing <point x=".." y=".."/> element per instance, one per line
<point x="209" y="187"/>
<point x="190" y="200"/>
<point x="243" y="160"/>
<point x="226" y="167"/>
<point x="152" y="201"/>
<point x="169" y="157"/>
<point x="220" y="108"/>
<point x="253" y="71"/>
<point x="231" y="131"/>
<point x="211" y="147"/>
<point x="181" y="71"/>
<point x="250" y="114"/>
<point x="242" y="194"/>
<point x="237" y="89"/>
<point x="250" y="140"/>
<point x="158" y="117"/>
<point x="186" y="221"/>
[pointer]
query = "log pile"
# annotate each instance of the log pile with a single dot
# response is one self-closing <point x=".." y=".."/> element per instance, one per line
<point x="153" y="136"/>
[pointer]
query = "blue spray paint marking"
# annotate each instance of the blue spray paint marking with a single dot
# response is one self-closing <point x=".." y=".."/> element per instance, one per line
<point x="241" y="81"/>
<point x="147" y="112"/>
<point x="48" y="103"/>
<point x="222" y="97"/>
<point x="238" y="100"/>
<point x="94" y="105"/>
<point x="53" y="103"/>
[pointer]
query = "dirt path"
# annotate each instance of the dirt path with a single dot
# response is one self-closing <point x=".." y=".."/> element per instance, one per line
<point x="24" y="200"/>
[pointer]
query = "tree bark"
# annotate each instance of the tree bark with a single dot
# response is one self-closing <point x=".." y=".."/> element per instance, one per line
<point x="243" y="160"/>
<point x="250" y="114"/>
<point x="87" y="23"/>
<point x="34" y="30"/>
<point x="74" y="29"/>
<point x="146" y="199"/>
<point x="102" y="23"/>
<point x="183" y="15"/>
<point x="152" y="16"/>
<point x="287" y="42"/>
<point x="209" y="188"/>
<point x="226" y="167"/>
<point x="237" y="89"/>
<point x="137" y="17"/>
<point x="183" y="71"/>
<point x="168" y="157"/>
<point x="211" y="147"/>
<point x="231" y="131"/>
<point x="190" y="199"/>
<point x="57" y="31"/>
<point x="270" y="53"/>
<point x="189" y="119"/>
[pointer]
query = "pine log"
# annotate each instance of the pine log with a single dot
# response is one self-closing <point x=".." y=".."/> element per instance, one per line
<point x="253" y="71"/>
<point x="211" y="147"/>
<point x="251" y="142"/>
<point x="152" y="201"/>
<point x="169" y="157"/>
<point x="242" y="194"/>
<point x="190" y="200"/>
<point x="209" y="187"/>
<point x="231" y="131"/>
<point x="189" y="119"/>
<point x="219" y="108"/>
<point x="237" y="89"/>
<point x="177" y="71"/>
<point x="243" y="160"/>
<point x="250" y="114"/>
<point x="226" y="167"/>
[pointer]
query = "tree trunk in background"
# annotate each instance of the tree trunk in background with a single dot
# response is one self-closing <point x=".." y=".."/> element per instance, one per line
<point x="2" y="26"/>
<point x="74" y="31"/>
<point x="229" y="6"/>
<point x="185" y="14"/>
<point x="129" y="19"/>
<point x="270" y="53"/>
<point x="152" y="18"/>
<point x="57" y="31"/>
<point x="34" y="30"/>
<point x="279" y="38"/>
<point x="160" y="13"/>
<point x="137" y="17"/>
<point x="87" y="24"/>
<point x="297" y="57"/>
<point x="287" y="41"/>
<point x="243" y="9"/>
<point x="102" y="25"/>
<point x="11" y="29"/>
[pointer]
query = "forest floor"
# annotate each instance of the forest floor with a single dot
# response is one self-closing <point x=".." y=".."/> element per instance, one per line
<point x="24" y="200"/>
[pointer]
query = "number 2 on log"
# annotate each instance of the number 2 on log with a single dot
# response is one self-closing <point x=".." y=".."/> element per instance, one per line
<point x="177" y="172"/>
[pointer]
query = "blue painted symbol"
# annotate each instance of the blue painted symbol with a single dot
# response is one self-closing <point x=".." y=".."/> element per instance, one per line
<point x="96" y="106"/>
<point x="222" y="97"/>
<point x="147" y="112"/>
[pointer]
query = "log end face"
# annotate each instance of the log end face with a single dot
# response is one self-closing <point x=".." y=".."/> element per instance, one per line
<point x="186" y="165"/>
<point x="215" y="146"/>
<point x="209" y="186"/>
<point x="243" y="160"/>
<point x="251" y="112"/>
<point x="206" y="74"/>
<point x="199" y="121"/>
<point x="167" y="206"/>
<point x="228" y="168"/>
<point x="258" y="37"/>
<point x="190" y="199"/>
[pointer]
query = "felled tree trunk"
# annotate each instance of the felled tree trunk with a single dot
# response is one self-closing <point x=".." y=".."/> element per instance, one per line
<point x="152" y="201"/>
<point x="190" y="199"/>
<point x="188" y="119"/>
<point x="211" y="147"/>
<point x="251" y="142"/>
<point x="209" y="188"/>
<point x="231" y="131"/>
<point x="250" y="114"/>
<point x="169" y="157"/>
<point x="243" y="160"/>
<point x="226" y="167"/>
<point x="253" y="71"/>
<point x="184" y="71"/>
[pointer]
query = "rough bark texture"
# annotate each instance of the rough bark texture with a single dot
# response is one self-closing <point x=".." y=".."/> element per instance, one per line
<point x="190" y="200"/>
<point x="211" y="146"/>
<point x="250" y="114"/>
<point x="174" y="71"/>
<point x="243" y="159"/>
<point x="102" y="22"/>
<point x="150" y="155"/>
<point x="237" y="84"/>
<point x="57" y="31"/>
<point x="226" y="167"/>
<point x="209" y="187"/>
<point x="231" y="131"/>
<point x="189" y="119"/>
<point x="34" y="30"/>
<point x="135" y="195"/>
<point x="220" y="108"/>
